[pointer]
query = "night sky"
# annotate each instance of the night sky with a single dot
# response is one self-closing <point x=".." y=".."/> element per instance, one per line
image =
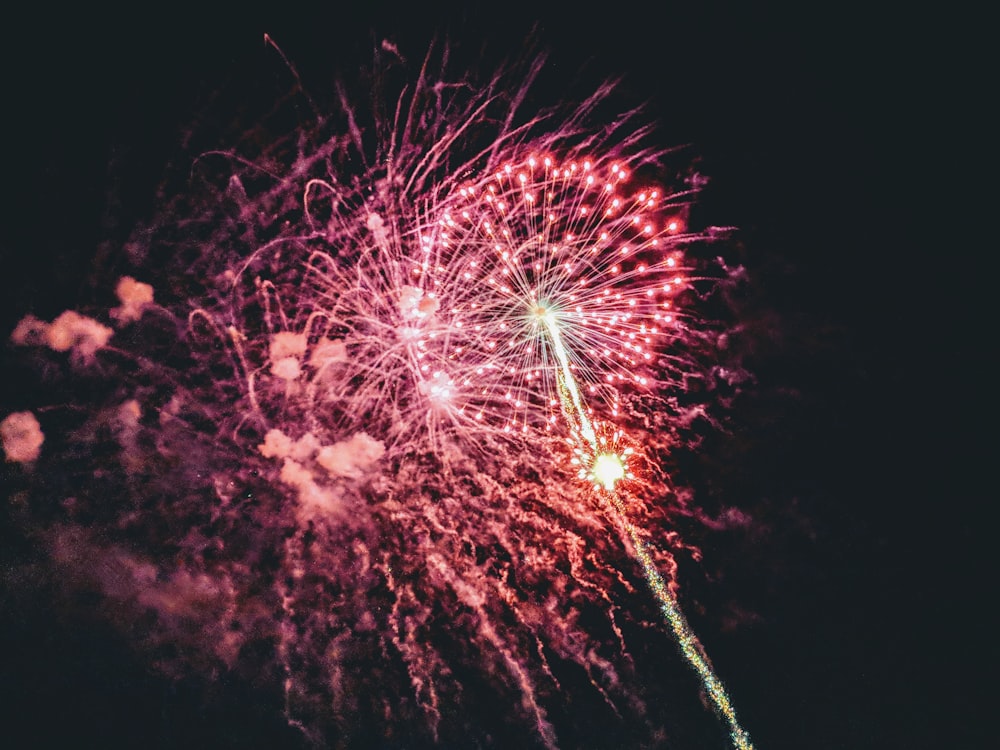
<point x="837" y="140"/>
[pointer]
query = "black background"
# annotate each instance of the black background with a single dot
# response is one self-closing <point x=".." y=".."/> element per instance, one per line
<point x="841" y="140"/>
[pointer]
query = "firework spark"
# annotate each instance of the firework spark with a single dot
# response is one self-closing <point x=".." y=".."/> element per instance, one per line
<point x="607" y="469"/>
<point x="407" y="350"/>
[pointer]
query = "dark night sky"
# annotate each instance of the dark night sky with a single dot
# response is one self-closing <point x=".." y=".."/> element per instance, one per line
<point x="837" y="139"/>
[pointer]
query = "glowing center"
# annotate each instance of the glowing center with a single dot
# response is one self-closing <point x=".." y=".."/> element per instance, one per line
<point x="608" y="469"/>
<point x="541" y="312"/>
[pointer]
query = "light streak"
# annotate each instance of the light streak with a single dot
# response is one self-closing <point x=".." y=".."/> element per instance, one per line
<point x="607" y="469"/>
<point x="568" y="380"/>
<point x="688" y="642"/>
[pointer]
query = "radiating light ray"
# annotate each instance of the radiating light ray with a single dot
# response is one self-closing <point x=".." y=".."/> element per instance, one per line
<point x="568" y="380"/>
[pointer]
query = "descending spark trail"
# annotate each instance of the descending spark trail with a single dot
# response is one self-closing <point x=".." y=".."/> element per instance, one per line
<point x="689" y="644"/>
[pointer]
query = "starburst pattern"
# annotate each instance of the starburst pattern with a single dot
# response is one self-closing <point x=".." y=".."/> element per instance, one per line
<point x="415" y="351"/>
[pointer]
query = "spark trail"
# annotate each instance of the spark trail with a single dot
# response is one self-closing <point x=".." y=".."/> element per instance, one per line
<point x="688" y="642"/>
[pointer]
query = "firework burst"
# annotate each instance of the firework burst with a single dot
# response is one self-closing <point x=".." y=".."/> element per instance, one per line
<point x="444" y="332"/>
<point x="408" y="348"/>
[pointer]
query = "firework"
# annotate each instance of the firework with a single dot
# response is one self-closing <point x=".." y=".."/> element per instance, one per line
<point x="408" y="350"/>
<point x="444" y="331"/>
<point x="539" y="247"/>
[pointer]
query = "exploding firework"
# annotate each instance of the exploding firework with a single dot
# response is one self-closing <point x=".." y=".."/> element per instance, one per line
<point x="398" y="410"/>
<point x="443" y="333"/>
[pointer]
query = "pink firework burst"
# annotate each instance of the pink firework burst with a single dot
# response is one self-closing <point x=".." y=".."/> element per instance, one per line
<point x="538" y="245"/>
<point x="342" y="405"/>
<point x="415" y="305"/>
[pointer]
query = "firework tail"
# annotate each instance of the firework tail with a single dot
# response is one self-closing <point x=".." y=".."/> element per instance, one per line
<point x="690" y="646"/>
